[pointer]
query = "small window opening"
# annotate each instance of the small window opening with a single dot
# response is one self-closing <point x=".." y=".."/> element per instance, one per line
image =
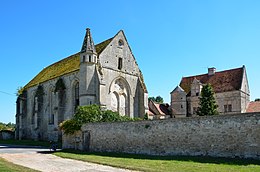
<point x="89" y="58"/>
<point x="84" y="59"/>
<point x="120" y="63"/>
<point x="120" y="42"/>
<point x="230" y="108"/>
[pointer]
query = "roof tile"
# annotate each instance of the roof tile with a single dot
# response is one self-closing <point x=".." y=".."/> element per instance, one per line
<point x="253" y="107"/>
<point x="223" y="81"/>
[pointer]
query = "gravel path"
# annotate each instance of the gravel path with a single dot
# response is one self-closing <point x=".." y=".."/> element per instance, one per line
<point x="50" y="163"/>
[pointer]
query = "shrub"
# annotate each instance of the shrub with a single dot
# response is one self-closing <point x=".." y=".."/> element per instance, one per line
<point x="91" y="113"/>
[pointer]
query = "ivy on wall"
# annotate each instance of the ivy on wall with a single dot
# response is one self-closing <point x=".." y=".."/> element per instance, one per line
<point x="59" y="85"/>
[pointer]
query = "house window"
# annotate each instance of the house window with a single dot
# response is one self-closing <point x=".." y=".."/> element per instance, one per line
<point x="197" y="93"/>
<point x="120" y="63"/>
<point x="225" y="108"/>
<point x="76" y="95"/>
<point x="228" y="108"/>
<point x="89" y="58"/>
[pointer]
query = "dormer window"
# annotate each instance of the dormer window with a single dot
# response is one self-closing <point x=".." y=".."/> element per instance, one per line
<point x="120" y="43"/>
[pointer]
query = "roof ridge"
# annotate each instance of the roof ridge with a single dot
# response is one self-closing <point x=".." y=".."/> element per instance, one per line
<point x="227" y="70"/>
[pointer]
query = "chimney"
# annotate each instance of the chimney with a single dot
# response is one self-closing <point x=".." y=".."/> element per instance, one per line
<point x="211" y="71"/>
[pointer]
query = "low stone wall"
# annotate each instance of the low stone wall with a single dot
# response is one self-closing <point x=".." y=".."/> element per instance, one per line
<point x="6" y="135"/>
<point x="220" y="136"/>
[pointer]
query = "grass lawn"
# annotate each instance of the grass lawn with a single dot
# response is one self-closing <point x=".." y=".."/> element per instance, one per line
<point x="165" y="163"/>
<point x="8" y="166"/>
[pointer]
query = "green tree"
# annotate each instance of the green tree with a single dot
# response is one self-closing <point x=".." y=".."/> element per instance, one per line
<point x="151" y="99"/>
<point x="257" y="99"/>
<point x="10" y="126"/>
<point x="157" y="99"/>
<point x="207" y="102"/>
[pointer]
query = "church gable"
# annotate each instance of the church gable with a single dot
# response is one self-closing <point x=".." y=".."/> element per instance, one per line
<point x="118" y="56"/>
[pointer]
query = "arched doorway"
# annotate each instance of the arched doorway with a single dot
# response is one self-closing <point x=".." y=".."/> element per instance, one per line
<point x="120" y="96"/>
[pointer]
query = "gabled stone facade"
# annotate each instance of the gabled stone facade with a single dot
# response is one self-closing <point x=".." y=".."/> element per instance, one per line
<point x="106" y="74"/>
<point x="231" y="92"/>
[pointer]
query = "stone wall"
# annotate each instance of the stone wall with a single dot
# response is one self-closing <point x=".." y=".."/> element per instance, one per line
<point x="6" y="135"/>
<point x="221" y="136"/>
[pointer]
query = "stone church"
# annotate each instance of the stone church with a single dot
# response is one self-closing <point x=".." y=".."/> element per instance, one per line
<point x="106" y="74"/>
<point x="230" y="86"/>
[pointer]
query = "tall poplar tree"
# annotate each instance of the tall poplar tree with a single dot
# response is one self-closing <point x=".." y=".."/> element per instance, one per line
<point x="208" y="105"/>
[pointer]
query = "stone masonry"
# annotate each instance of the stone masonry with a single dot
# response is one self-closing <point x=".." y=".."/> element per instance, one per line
<point x="235" y="135"/>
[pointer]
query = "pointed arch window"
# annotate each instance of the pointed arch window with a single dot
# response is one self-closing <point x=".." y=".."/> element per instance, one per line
<point x="76" y="93"/>
<point x="51" y="113"/>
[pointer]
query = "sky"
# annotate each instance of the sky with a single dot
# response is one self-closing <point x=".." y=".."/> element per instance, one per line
<point x="170" y="39"/>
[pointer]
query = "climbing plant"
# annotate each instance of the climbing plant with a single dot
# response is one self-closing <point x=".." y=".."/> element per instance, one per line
<point x="59" y="85"/>
<point x="39" y="94"/>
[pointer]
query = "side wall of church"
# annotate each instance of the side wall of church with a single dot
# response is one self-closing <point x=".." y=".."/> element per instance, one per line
<point x="38" y="124"/>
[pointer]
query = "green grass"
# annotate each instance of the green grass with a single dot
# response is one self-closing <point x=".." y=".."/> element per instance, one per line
<point x="6" y="166"/>
<point x="28" y="143"/>
<point x="164" y="163"/>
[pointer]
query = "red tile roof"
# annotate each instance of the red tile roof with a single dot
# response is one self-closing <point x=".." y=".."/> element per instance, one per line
<point x="223" y="81"/>
<point x="253" y="107"/>
<point x="162" y="109"/>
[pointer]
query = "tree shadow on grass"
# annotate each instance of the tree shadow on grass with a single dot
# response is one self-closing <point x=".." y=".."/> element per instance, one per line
<point x="199" y="159"/>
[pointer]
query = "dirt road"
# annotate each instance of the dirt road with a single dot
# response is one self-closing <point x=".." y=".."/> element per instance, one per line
<point x="40" y="159"/>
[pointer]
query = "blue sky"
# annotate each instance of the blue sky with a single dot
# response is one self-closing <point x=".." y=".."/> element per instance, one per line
<point x="169" y="38"/>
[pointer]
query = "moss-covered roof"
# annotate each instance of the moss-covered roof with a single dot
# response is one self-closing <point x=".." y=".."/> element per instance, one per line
<point x="101" y="46"/>
<point x="62" y="67"/>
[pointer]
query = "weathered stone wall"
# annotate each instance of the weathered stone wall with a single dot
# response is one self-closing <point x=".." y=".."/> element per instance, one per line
<point x="45" y="130"/>
<point x="221" y="136"/>
<point x="6" y="135"/>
